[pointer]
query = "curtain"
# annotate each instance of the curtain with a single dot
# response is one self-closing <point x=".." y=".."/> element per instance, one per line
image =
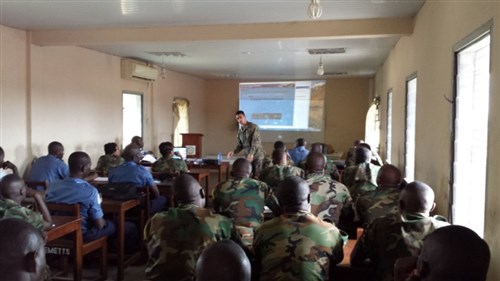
<point x="181" y="119"/>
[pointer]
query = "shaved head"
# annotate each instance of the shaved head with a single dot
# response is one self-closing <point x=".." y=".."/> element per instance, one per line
<point x="22" y="248"/>
<point x="279" y="157"/>
<point x="389" y="175"/>
<point x="454" y="253"/>
<point x="132" y="152"/>
<point x="293" y="194"/>
<point x="315" y="162"/>
<point x="416" y="197"/>
<point x="279" y="145"/>
<point x="56" y="149"/>
<point x="362" y="155"/>
<point x="242" y="168"/>
<point x="13" y="187"/>
<point x="79" y="164"/>
<point x="137" y="140"/>
<point x="223" y="261"/>
<point x="188" y="190"/>
<point x="317" y="147"/>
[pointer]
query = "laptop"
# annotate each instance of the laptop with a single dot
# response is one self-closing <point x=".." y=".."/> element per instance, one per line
<point x="182" y="151"/>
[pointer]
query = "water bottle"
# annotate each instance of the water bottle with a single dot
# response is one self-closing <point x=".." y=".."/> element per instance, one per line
<point x="219" y="158"/>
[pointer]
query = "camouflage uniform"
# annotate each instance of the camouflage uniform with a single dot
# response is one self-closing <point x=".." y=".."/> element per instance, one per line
<point x="330" y="169"/>
<point x="392" y="237"/>
<point x="10" y="209"/>
<point x="243" y="200"/>
<point x="176" y="238"/>
<point x="275" y="174"/>
<point x="297" y="246"/>
<point x="328" y="197"/>
<point x="108" y="162"/>
<point x="361" y="178"/>
<point x="170" y="165"/>
<point x="268" y="162"/>
<point x="378" y="203"/>
<point x="248" y="140"/>
<point x="349" y="160"/>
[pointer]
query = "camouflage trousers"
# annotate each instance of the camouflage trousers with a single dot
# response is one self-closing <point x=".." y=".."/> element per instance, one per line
<point x="257" y="167"/>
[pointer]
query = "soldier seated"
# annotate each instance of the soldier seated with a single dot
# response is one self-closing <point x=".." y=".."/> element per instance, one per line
<point x="177" y="237"/>
<point x="296" y="245"/>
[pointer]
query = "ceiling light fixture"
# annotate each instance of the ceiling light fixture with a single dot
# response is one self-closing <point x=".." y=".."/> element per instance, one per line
<point x="163" y="71"/>
<point x="315" y="10"/>
<point x="321" y="68"/>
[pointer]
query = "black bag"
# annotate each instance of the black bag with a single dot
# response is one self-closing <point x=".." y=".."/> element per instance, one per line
<point x="121" y="191"/>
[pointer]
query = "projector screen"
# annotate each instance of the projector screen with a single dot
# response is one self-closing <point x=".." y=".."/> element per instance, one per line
<point x="285" y="110"/>
<point x="284" y="106"/>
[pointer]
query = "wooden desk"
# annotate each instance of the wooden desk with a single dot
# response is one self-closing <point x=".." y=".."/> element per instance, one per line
<point x="118" y="208"/>
<point x="65" y="226"/>
<point x="200" y="174"/>
<point x="166" y="188"/>
<point x="223" y="167"/>
<point x="347" y="252"/>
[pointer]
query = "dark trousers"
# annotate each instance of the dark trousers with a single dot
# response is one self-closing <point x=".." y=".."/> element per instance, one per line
<point x="131" y="235"/>
<point x="157" y="204"/>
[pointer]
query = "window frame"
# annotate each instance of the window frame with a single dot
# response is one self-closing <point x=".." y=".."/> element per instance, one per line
<point x="388" y="125"/>
<point x="474" y="37"/>
<point x="408" y="79"/>
<point x="141" y="95"/>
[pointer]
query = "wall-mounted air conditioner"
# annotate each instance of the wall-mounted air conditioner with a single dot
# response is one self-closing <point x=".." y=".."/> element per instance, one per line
<point x="132" y="69"/>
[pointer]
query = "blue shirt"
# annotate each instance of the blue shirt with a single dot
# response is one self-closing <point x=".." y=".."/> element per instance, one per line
<point x="48" y="168"/>
<point x="298" y="154"/>
<point x="72" y="191"/>
<point x="131" y="172"/>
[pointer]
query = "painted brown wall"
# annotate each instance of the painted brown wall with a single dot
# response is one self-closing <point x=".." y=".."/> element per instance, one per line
<point x="346" y="105"/>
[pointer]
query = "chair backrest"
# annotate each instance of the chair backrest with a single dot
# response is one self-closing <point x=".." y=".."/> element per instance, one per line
<point x="64" y="209"/>
<point x="38" y="185"/>
<point x="121" y="191"/>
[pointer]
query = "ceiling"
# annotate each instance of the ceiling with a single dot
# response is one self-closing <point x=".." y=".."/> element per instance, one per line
<point x="244" y="39"/>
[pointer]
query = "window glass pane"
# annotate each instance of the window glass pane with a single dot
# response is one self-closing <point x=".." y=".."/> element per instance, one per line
<point x="471" y="134"/>
<point x="372" y="127"/>
<point x="181" y="119"/>
<point x="388" y="138"/>
<point x="411" y="109"/>
<point x="132" y="116"/>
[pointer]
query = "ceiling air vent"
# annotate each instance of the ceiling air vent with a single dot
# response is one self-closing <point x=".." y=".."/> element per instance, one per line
<point x="335" y="73"/>
<point x="168" y="54"/>
<point x="326" y="51"/>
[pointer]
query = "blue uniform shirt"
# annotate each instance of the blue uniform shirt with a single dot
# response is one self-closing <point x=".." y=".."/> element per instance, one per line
<point x="73" y="191"/>
<point x="130" y="172"/>
<point x="48" y="168"/>
<point x="298" y="154"/>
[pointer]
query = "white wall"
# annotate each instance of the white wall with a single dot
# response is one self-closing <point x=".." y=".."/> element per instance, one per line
<point x="429" y="52"/>
<point x="73" y="95"/>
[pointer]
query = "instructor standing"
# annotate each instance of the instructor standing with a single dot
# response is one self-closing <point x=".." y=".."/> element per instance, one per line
<point x="248" y="140"/>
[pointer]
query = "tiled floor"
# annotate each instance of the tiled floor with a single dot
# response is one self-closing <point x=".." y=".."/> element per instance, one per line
<point x="132" y="273"/>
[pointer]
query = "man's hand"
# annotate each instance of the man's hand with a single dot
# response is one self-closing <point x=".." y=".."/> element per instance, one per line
<point x="250" y="157"/>
<point x="8" y="165"/>
<point x="30" y="192"/>
<point x="178" y="155"/>
<point x="230" y="154"/>
<point x="91" y="176"/>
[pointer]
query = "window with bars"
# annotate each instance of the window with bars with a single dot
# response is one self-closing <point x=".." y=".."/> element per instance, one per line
<point x="388" y="128"/>
<point x="470" y="135"/>
<point x="411" y="114"/>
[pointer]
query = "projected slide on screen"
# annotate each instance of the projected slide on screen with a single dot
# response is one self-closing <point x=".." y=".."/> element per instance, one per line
<point x="284" y="105"/>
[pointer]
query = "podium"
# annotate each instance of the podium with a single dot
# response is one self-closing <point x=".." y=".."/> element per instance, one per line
<point x="192" y="141"/>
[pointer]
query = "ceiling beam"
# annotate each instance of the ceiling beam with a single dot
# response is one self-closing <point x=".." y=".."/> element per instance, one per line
<point x="286" y="30"/>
